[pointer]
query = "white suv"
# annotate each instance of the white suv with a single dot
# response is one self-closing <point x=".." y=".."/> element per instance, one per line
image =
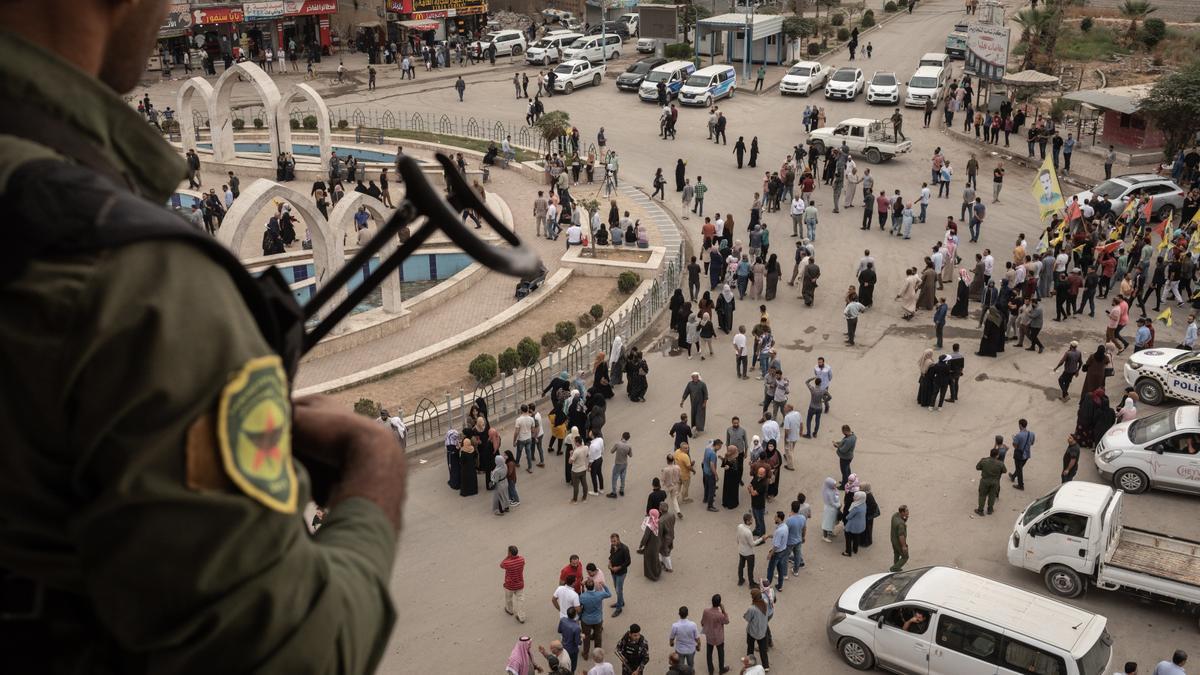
<point x="845" y="83"/>
<point x="884" y="88"/>
<point x="507" y="42"/>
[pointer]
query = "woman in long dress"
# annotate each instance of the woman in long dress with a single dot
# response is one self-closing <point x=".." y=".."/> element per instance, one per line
<point x="649" y="546"/>
<point x="908" y="294"/>
<point x="950" y="253"/>
<point x="993" y="329"/>
<point x="600" y="381"/>
<point x="500" y="494"/>
<point x="961" y="308"/>
<point x="928" y="297"/>
<point x="759" y="272"/>
<point x="725" y="305"/>
<point x="978" y="280"/>
<point x="831" y="510"/>
<point x="775" y="462"/>
<point x="1096" y="371"/>
<point x="616" y="361"/>
<point x="734" y="463"/>
<point x="866" y="285"/>
<point x="635" y="371"/>
<point x="468" y="483"/>
<point x="774" y="271"/>
<point x="925" y="379"/>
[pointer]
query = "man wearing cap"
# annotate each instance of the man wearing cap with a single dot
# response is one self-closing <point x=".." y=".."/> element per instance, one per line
<point x="1070" y="362"/>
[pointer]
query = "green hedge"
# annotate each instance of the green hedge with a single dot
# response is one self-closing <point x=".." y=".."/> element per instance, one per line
<point x="678" y="50"/>
<point x="868" y="19"/>
<point x="565" y="330"/>
<point x="627" y="282"/>
<point x="528" y="351"/>
<point x="508" y="360"/>
<point x="483" y="368"/>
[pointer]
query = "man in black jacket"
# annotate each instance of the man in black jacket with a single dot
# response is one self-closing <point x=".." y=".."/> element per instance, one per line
<point x="618" y="566"/>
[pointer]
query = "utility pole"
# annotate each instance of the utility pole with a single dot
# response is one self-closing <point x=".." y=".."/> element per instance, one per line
<point x="749" y="42"/>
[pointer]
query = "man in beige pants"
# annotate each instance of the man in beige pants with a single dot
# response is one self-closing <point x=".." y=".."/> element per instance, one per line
<point x="683" y="460"/>
<point x="670" y="478"/>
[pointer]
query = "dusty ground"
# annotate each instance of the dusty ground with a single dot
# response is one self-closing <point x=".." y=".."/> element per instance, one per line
<point x="448" y="373"/>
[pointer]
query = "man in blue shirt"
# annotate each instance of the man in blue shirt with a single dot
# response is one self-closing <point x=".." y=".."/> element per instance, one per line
<point x="361" y="218"/>
<point x="777" y="560"/>
<point x="797" y="526"/>
<point x="1022" y="444"/>
<point x="1141" y="339"/>
<point x="591" y="604"/>
<point x="709" y="467"/>
<point x="939" y="320"/>
<point x="569" y="633"/>
<point x="685" y="636"/>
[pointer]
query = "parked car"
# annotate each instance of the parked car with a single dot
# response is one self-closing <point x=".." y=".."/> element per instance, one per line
<point x="1076" y="534"/>
<point x="928" y="83"/>
<point x="845" y="83"/>
<point x="549" y="49"/>
<point x="595" y="48"/>
<point x="632" y="21"/>
<point x="646" y="45"/>
<point x="672" y="75"/>
<point x="947" y="621"/>
<point x="867" y="137"/>
<point x="1168" y="196"/>
<point x="1161" y="373"/>
<point x="570" y="75"/>
<point x="507" y="42"/>
<point x="709" y="84"/>
<point x="884" y="88"/>
<point x="632" y="78"/>
<point x="1161" y="450"/>
<point x="609" y="27"/>
<point x="804" y="77"/>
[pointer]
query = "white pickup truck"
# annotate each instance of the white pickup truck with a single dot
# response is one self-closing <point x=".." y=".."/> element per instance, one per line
<point x="870" y="138"/>
<point x="1075" y="535"/>
<point x="570" y="75"/>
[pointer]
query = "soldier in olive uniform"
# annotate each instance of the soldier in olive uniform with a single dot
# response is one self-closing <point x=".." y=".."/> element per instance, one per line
<point x="990" y="470"/>
<point x="150" y="506"/>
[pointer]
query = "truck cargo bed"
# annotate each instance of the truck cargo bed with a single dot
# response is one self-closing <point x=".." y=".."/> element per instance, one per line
<point x="1158" y="555"/>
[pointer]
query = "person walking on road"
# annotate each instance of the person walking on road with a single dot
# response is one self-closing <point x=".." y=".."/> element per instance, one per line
<point x="514" y="584"/>
<point x="990" y="470"/>
<point x="845" y="453"/>
<point x="618" y="567"/>
<point x="712" y="624"/>
<point x="460" y="86"/>
<point x="899" y="538"/>
<point x="1174" y="666"/>
<point x="1022" y="444"/>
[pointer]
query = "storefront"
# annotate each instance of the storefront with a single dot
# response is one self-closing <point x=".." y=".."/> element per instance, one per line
<point x="283" y="23"/>
<point x="217" y="28"/>
<point x="174" y="38"/>
<point x="454" y="17"/>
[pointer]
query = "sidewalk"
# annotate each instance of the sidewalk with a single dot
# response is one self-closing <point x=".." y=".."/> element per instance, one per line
<point x="1087" y="169"/>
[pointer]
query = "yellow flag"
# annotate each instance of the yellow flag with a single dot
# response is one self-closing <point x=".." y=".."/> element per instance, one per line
<point x="1079" y="248"/>
<point x="1165" y="317"/>
<point x="1046" y="191"/>
<point x="1117" y="232"/>
<point x="1163" y="244"/>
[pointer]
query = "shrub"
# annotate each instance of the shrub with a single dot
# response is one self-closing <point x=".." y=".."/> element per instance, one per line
<point x="343" y="124"/>
<point x="483" y="368"/>
<point x="868" y="19"/>
<point x="596" y="311"/>
<point x="837" y="19"/>
<point x="366" y="407"/>
<point x="627" y="282"/>
<point x="258" y="123"/>
<point x="170" y="125"/>
<point x="310" y="122"/>
<point x="890" y="6"/>
<point x="1086" y="24"/>
<point x="508" y="360"/>
<point x="294" y="124"/>
<point x="585" y="320"/>
<point x="549" y="340"/>
<point x="813" y="49"/>
<point x="238" y="124"/>
<point x="565" y="330"/>
<point x="1153" y="31"/>
<point x="528" y="351"/>
<point x="678" y="50"/>
<point x="843" y="34"/>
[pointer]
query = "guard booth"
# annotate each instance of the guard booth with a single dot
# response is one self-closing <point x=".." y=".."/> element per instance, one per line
<point x="752" y="38"/>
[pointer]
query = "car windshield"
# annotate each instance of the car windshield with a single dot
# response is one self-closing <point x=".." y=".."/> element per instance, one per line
<point x="888" y="80"/>
<point x="1151" y="427"/>
<point x="1095" y="661"/>
<point x="922" y="82"/>
<point x="890" y="589"/>
<point x="565" y="69"/>
<point x="638" y="68"/>
<point x="803" y="71"/>
<point x="1038" y="507"/>
<point x="698" y="80"/>
<point x="543" y="44"/>
<point x="843" y="76"/>
<point x="1111" y="189"/>
<point x="490" y="37"/>
<point x="578" y="44"/>
<point x="658" y="76"/>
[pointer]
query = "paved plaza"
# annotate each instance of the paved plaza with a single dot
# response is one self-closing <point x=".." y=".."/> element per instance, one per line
<point x="447" y="579"/>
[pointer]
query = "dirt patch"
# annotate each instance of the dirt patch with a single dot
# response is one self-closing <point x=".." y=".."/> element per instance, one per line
<point x="623" y="255"/>
<point x="448" y="373"/>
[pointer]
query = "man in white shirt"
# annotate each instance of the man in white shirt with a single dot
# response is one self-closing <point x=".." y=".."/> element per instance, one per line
<point x="792" y="427"/>
<point x="925" y="194"/>
<point x="565" y="597"/>
<point x="797" y="213"/>
<point x="770" y="431"/>
<point x="719" y="223"/>
<point x="228" y="197"/>
<point x="746" y="542"/>
<point x="552" y="221"/>
<point x="989" y="264"/>
<point x="825" y="374"/>
<point x="865" y="260"/>
<point x="1060" y="263"/>
<point x="739" y="353"/>
<point x="596" y="462"/>
<point x="397" y="425"/>
<point x="574" y="236"/>
<point x="523" y="438"/>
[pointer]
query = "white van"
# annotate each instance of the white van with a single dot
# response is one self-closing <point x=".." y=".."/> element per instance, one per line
<point x="945" y="621"/>
<point x="927" y="84"/>
<point x="672" y="74"/>
<point x="935" y="59"/>
<point x="595" y="48"/>
<point x="709" y="84"/>
<point x="549" y="49"/>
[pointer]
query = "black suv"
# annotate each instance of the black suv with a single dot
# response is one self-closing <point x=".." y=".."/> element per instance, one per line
<point x="632" y="78"/>
<point x="617" y="27"/>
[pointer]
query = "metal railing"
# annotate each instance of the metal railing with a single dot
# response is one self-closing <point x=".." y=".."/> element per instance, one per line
<point x="430" y="420"/>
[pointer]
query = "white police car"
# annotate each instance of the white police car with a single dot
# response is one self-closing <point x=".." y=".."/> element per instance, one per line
<point x="1160" y="373"/>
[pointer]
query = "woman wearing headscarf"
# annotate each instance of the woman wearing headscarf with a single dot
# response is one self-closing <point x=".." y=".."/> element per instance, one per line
<point x="1095" y="417"/>
<point x="680" y="171"/>
<point x="756" y="449"/>
<point x="649" y="546"/>
<point x="753" y="152"/>
<point x="831" y="509"/>
<point x="759" y="273"/>
<point x="691" y="334"/>
<point x="872" y="513"/>
<point x="499" y="479"/>
<point x="616" y="361"/>
<point x="774" y="271"/>
<point x="520" y="662"/>
<point x="852" y="485"/>
<point x="856" y="523"/>
<point x="950" y="253"/>
<point x="681" y="327"/>
<point x="774" y="462"/>
<point x="468" y="483"/>
<point x="675" y="305"/>
<point x="557" y="390"/>
<point x="600" y="373"/>
<point x="742" y="272"/>
<point x="636" y="369"/>
<point x="925" y="379"/>
<point x="1096" y="368"/>
<point x="558" y="430"/>
<point x="705" y="304"/>
<point x="961" y="308"/>
<point x="993" y="331"/>
<point x="716" y="267"/>
<point x="734" y="463"/>
<point x="485" y="454"/>
<point x="866" y="284"/>
<point x="577" y="414"/>
<point x="726" y="303"/>
<point x="707" y="333"/>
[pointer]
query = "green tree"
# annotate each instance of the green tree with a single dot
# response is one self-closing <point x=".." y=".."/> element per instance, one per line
<point x="1173" y="105"/>
<point x="1036" y="25"/>
<point x="553" y="126"/>
<point x="1135" y="10"/>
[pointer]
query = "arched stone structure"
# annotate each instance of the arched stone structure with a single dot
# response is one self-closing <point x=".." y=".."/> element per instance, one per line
<point x="220" y="118"/>
<point x="184" y="105"/>
<point x="283" y="121"/>
<point x="341" y="219"/>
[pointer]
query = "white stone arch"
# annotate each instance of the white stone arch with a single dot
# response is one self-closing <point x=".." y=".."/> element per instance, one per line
<point x="283" y="121"/>
<point x="341" y="220"/>
<point x="220" y="118"/>
<point x="185" y="104"/>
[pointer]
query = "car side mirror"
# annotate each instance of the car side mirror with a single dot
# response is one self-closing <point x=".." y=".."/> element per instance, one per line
<point x="1157" y="447"/>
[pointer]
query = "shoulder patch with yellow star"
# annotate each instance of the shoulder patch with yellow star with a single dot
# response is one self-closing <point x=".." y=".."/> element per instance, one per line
<point x="254" y="433"/>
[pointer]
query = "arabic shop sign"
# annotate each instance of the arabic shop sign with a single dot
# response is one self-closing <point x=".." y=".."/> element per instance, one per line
<point x="214" y="15"/>
<point x="257" y="11"/>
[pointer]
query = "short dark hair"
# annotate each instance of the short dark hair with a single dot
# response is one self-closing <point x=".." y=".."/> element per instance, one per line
<point x="716" y="600"/>
<point x="570" y="612"/>
<point x="1130" y="666"/>
<point x="1179" y="657"/>
<point x="683" y="613"/>
<point x="1022" y="423"/>
<point x="634" y="628"/>
<point x="512" y="550"/>
<point x="795" y="506"/>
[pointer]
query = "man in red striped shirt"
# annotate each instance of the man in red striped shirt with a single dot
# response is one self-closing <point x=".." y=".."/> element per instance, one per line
<point x="514" y="584"/>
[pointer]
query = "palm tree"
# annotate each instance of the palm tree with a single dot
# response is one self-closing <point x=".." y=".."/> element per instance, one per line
<point x="1033" y="23"/>
<point x="1135" y="10"/>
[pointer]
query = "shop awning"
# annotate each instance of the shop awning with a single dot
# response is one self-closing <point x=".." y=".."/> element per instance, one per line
<point x="370" y="24"/>
<point x="419" y="25"/>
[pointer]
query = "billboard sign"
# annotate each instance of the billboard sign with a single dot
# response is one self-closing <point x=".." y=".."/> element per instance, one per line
<point x="658" y="21"/>
<point x="214" y="15"/>
<point x="987" y="51"/>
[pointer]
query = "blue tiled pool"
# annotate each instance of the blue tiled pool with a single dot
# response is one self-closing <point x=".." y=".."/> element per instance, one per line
<point x="309" y="150"/>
